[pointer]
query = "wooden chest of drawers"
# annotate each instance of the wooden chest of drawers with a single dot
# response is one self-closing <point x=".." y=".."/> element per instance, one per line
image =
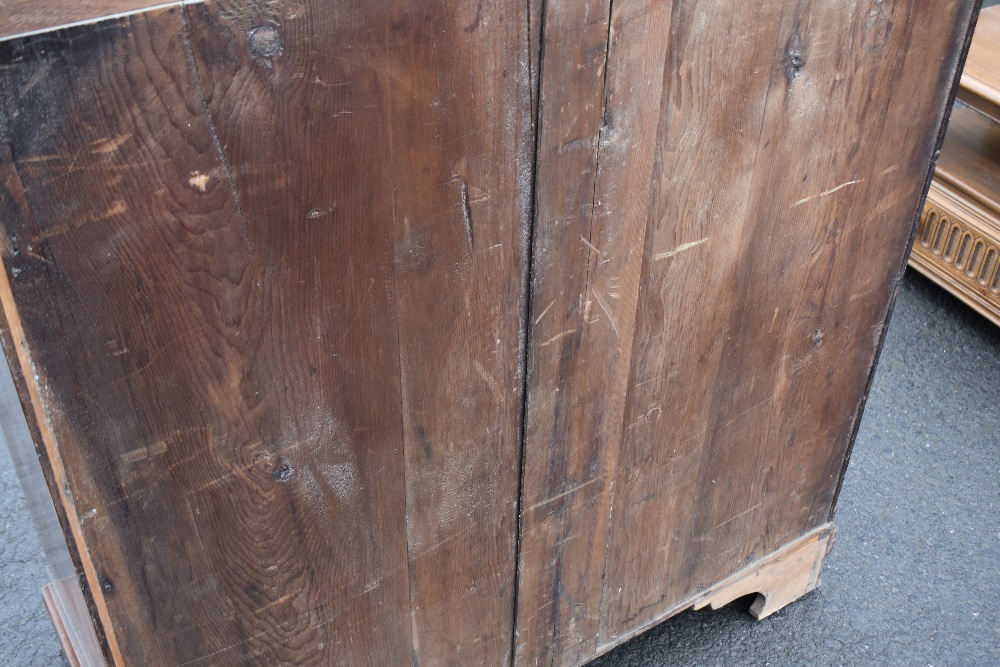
<point x="453" y="333"/>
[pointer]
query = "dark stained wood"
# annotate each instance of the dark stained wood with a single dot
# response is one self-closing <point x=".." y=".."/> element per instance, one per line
<point x="266" y="296"/>
<point x="574" y="47"/>
<point x="589" y="222"/>
<point x="745" y="293"/>
<point x="20" y="17"/>
<point x="265" y="273"/>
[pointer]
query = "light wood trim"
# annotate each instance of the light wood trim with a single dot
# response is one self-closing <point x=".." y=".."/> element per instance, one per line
<point x="22" y="355"/>
<point x="779" y="579"/>
<point x="958" y="247"/>
<point x="980" y="87"/>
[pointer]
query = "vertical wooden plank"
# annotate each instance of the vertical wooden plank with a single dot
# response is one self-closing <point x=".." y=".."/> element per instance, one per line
<point x="707" y="148"/>
<point x="270" y="266"/>
<point x="573" y="46"/>
<point x="302" y="133"/>
<point x="94" y="177"/>
<point x="760" y="320"/>
<point x="597" y="104"/>
<point x="746" y="262"/>
<point x="459" y="81"/>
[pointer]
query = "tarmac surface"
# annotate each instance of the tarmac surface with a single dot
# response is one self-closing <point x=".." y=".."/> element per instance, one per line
<point x="913" y="580"/>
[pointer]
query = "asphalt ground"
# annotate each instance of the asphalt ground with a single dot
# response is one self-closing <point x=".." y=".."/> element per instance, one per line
<point x="914" y="579"/>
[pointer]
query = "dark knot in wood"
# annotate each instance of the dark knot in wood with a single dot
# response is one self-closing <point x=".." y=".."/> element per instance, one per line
<point x="282" y="473"/>
<point x="265" y="42"/>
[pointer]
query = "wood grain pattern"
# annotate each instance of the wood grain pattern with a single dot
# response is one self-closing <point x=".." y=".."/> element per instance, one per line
<point x="269" y="263"/>
<point x="981" y="75"/>
<point x="571" y="101"/>
<point x="702" y="391"/>
<point x="20" y="17"/>
<point x="266" y="293"/>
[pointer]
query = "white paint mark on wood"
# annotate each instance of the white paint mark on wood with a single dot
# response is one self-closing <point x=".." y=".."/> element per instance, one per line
<point x="319" y="212"/>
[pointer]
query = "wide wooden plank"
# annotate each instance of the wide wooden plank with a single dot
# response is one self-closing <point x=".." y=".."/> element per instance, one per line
<point x="707" y="143"/>
<point x="265" y="267"/>
<point x="164" y="364"/>
<point x="751" y="285"/>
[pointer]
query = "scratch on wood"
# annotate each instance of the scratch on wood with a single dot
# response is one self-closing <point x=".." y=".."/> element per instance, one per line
<point x="557" y="337"/>
<point x="590" y="245"/>
<point x="440" y="544"/>
<point x="490" y="381"/>
<point x="733" y="518"/>
<point x="827" y="192"/>
<point x="547" y="308"/>
<point x="681" y="248"/>
<point x="564" y="493"/>
<point x="466" y="211"/>
<point x="315" y="213"/>
<point x="614" y="325"/>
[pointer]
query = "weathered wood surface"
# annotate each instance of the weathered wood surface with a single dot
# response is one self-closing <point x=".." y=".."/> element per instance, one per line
<point x="265" y="272"/>
<point x="265" y="293"/>
<point x="20" y="17"/>
<point x="725" y="202"/>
